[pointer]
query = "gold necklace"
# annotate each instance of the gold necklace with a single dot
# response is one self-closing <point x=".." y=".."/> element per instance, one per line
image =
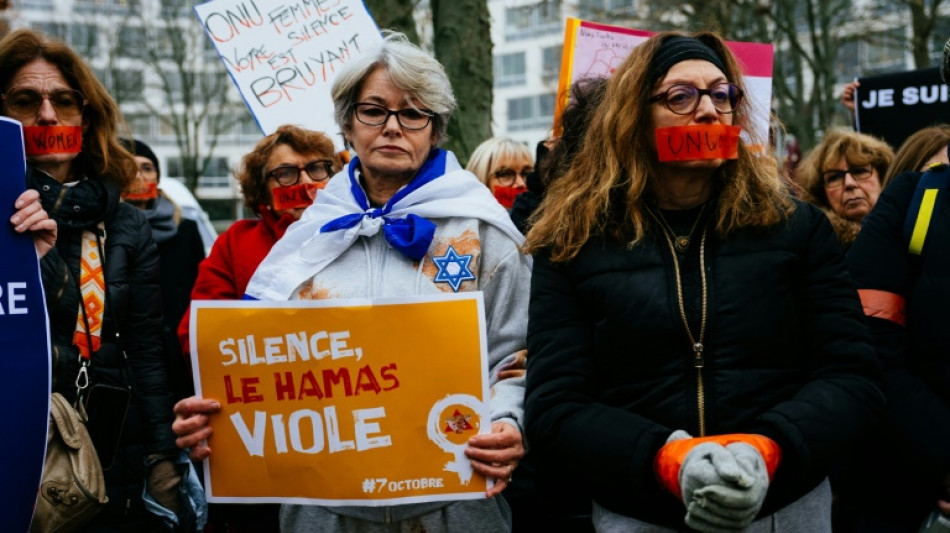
<point x="680" y="242"/>
<point x="696" y="343"/>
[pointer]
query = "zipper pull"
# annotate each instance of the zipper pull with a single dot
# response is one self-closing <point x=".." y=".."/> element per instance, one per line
<point x="698" y="349"/>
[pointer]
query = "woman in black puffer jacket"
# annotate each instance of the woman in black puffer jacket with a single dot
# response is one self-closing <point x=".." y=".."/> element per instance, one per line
<point x="696" y="353"/>
<point x="49" y="89"/>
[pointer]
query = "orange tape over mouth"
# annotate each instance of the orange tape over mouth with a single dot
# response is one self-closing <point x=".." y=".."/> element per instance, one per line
<point x="148" y="191"/>
<point x="701" y="141"/>
<point x="45" y="140"/>
<point x="296" y="196"/>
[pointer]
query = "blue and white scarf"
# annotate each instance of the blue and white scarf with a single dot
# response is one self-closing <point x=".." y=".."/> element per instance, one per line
<point x="341" y="213"/>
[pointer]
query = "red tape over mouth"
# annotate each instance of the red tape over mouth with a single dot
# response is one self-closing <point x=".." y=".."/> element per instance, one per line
<point x="296" y="196"/>
<point x="701" y="141"/>
<point x="147" y="191"/>
<point x="45" y="140"/>
<point x="506" y="195"/>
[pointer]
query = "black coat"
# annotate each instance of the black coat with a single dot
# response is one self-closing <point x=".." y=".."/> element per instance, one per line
<point x="180" y="256"/>
<point x="912" y="451"/>
<point x="132" y="313"/>
<point x="611" y="370"/>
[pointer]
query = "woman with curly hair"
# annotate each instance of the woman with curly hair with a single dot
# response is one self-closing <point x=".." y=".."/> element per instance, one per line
<point x="289" y="157"/>
<point x="843" y="176"/>
<point x="696" y="353"/>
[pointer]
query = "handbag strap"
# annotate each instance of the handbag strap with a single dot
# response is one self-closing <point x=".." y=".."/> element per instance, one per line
<point x="87" y="335"/>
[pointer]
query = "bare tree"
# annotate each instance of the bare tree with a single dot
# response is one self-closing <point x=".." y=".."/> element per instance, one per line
<point x="395" y="15"/>
<point x="197" y="100"/>
<point x="924" y="15"/>
<point x="462" y="42"/>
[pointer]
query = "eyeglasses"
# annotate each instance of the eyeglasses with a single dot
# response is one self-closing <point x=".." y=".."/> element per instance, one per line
<point x="506" y="176"/>
<point x="683" y="99"/>
<point x="287" y="175"/>
<point x="835" y="178"/>
<point x="377" y="115"/>
<point x="25" y="102"/>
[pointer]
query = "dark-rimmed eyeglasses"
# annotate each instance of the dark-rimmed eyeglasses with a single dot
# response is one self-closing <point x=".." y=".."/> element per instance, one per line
<point x="506" y="176"/>
<point x="27" y="102"/>
<point x="835" y="178"/>
<point x="287" y="175"/>
<point x="683" y="99"/>
<point x="377" y="115"/>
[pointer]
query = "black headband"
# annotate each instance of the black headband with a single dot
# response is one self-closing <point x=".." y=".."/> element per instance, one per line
<point x="678" y="48"/>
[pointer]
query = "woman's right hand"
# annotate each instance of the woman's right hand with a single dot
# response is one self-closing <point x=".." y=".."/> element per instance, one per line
<point x="191" y="425"/>
<point x="847" y="96"/>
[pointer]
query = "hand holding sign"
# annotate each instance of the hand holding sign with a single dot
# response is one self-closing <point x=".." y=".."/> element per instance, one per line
<point x="191" y="425"/>
<point x="31" y="216"/>
<point x="502" y="447"/>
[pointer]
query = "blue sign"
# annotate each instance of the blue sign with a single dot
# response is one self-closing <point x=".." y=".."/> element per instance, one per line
<point x="25" y="355"/>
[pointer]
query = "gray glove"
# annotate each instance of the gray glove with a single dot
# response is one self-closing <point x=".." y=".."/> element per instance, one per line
<point x="162" y="482"/>
<point x="733" y="501"/>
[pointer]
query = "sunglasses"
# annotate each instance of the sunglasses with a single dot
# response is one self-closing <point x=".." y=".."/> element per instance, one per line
<point x="26" y="102"/>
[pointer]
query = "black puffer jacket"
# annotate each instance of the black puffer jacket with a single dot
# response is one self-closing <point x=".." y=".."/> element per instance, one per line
<point x="611" y="371"/>
<point x="911" y="452"/>
<point x="133" y="311"/>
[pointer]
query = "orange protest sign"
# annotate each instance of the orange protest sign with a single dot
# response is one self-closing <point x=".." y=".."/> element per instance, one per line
<point x="300" y="195"/>
<point x="343" y="402"/>
<point x="43" y="140"/>
<point x="700" y="141"/>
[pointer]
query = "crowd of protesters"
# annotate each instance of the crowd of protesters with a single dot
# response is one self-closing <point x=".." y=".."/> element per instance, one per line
<point x="710" y="344"/>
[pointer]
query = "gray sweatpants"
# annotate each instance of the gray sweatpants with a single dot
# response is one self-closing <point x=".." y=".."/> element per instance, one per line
<point x="469" y="516"/>
<point x="809" y="514"/>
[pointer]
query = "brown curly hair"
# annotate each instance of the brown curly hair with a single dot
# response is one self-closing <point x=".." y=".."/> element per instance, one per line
<point x="917" y="149"/>
<point x="609" y="182"/>
<point x="102" y="156"/>
<point x="250" y="173"/>
<point x="857" y="149"/>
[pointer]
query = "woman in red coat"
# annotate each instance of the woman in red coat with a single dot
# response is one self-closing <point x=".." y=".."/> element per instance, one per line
<point x="289" y="157"/>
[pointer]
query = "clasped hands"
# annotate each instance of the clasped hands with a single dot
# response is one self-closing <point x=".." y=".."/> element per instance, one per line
<point x="722" y="482"/>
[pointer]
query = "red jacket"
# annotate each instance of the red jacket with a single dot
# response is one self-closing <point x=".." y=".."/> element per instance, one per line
<point x="237" y="252"/>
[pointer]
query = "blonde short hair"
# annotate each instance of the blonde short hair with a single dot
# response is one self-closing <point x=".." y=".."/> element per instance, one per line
<point x="482" y="161"/>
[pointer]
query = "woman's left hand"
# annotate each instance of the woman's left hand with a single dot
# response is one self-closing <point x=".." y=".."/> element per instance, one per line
<point x="496" y="454"/>
<point x="31" y="216"/>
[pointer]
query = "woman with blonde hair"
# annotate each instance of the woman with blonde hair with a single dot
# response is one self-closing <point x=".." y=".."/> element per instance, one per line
<point x="503" y="166"/>
<point x="843" y="176"/>
<point x="696" y="352"/>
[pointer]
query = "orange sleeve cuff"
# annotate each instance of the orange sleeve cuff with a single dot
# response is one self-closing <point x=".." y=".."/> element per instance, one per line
<point x="670" y="458"/>
<point x="883" y="304"/>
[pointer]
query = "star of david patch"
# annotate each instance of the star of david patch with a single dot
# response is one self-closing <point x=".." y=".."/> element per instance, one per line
<point x="453" y="269"/>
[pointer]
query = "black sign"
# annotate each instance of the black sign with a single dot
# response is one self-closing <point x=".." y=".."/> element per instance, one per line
<point x="894" y="106"/>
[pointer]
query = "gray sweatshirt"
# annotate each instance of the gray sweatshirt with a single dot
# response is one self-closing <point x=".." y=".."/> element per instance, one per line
<point x="371" y="268"/>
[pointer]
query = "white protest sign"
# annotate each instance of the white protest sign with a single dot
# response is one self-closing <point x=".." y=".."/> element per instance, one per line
<point x="284" y="56"/>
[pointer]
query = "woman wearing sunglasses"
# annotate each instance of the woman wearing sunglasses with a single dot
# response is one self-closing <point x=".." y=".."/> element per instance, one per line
<point x="842" y="175"/>
<point x="104" y="255"/>
<point x="696" y="353"/>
